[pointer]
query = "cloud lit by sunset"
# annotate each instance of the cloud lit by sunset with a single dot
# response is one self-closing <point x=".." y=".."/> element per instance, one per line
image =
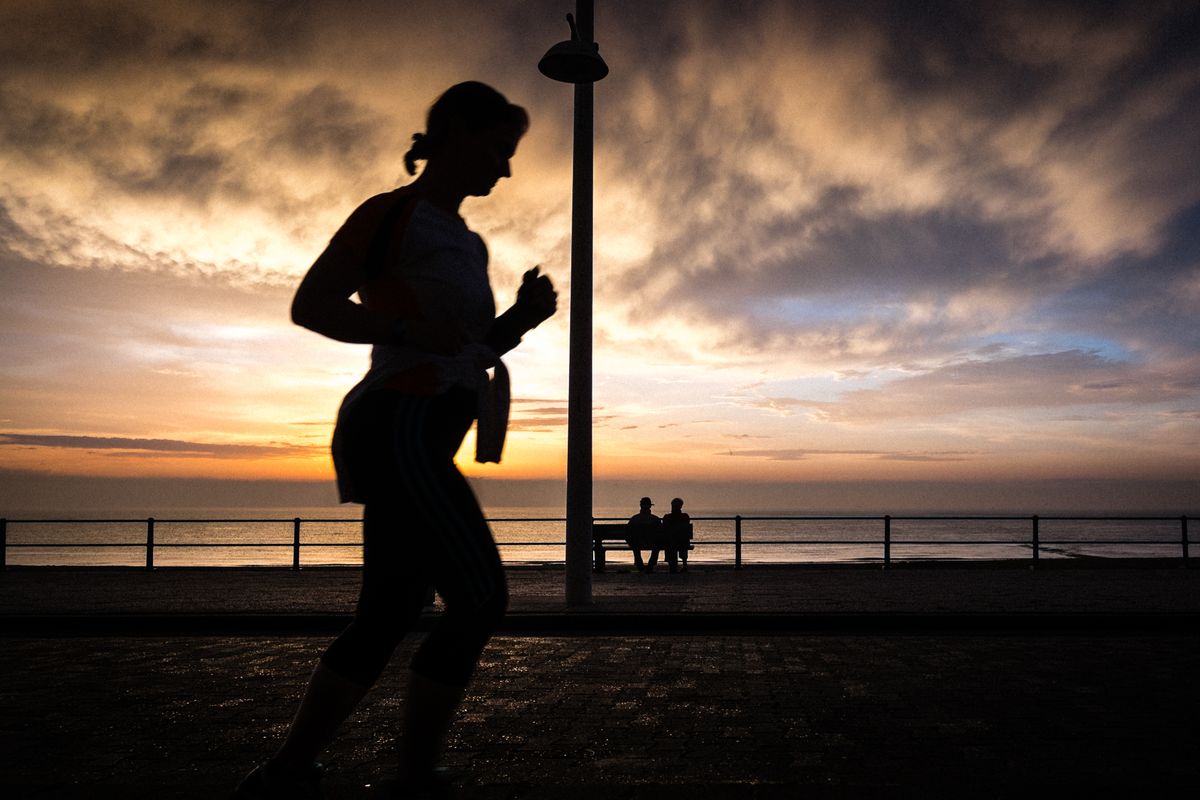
<point x="869" y="241"/>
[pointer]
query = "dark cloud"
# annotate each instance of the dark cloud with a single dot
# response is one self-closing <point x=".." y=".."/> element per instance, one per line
<point x="998" y="104"/>
<point x="1167" y="48"/>
<point x="195" y="175"/>
<point x="323" y="122"/>
<point x="544" y="416"/>
<point x="1152" y="301"/>
<point x="178" y="101"/>
<point x="835" y="249"/>
<point x="204" y="102"/>
<point x="1051" y="380"/>
<point x="71" y="37"/>
<point x="82" y="39"/>
<point x="151" y="447"/>
<point x="159" y="158"/>
<point x="42" y="129"/>
<point x="801" y="454"/>
<point x="926" y="457"/>
<point x="953" y="52"/>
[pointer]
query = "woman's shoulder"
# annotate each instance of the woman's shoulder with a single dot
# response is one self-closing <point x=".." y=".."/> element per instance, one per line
<point x="360" y="227"/>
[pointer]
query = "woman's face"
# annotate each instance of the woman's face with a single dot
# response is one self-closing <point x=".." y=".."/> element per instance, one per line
<point x="482" y="157"/>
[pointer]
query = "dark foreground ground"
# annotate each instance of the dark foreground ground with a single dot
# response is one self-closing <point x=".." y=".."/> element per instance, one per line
<point x="1105" y="698"/>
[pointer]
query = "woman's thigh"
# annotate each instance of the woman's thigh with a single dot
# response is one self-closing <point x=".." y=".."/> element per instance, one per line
<point x="457" y="552"/>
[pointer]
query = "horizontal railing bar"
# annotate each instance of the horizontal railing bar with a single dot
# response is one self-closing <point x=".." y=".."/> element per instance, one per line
<point x="306" y="521"/>
<point x="894" y="540"/>
<point x="1174" y="520"/>
<point x="158" y="521"/>
<point x="706" y="542"/>
<point x="1043" y="543"/>
<point x="39" y="521"/>
<point x="140" y="545"/>
<point x="288" y="545"/>
<point x="345" y="520"/>
<point x="1040" y="518"/>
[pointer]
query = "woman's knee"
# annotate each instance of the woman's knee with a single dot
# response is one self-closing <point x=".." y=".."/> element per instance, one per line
<point x="482" y="598"/>
<point x="495" y="606"/>
<point x="478" y="617"/>
<point x="360" y="654"/>
<point x="451" y="651"/>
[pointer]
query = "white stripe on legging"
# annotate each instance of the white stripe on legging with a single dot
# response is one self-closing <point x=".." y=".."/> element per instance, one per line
<point x="458" y="535"/>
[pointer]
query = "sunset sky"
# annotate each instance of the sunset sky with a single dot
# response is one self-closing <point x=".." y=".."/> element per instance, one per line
<point x="835" y="241"/>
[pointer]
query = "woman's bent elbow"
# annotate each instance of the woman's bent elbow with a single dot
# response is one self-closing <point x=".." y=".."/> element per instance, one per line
<point x="302" y="313"/>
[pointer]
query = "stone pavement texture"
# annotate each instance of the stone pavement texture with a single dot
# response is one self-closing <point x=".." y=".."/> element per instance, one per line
<point x="631" y="717"/>
<point x="628" y="717"/>
<point x="945" y="587"/>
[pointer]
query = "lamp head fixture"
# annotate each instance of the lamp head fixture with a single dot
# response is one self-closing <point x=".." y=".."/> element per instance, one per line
<point x="573" y="61"/>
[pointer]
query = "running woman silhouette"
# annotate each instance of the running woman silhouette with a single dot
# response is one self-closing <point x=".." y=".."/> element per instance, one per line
<point x="428" y="311"/>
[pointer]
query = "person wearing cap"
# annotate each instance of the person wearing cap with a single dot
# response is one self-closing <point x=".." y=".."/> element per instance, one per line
<point x="642" y="533"/>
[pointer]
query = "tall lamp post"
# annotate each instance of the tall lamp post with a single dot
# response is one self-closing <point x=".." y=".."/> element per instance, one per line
<point x="577" y="61"/>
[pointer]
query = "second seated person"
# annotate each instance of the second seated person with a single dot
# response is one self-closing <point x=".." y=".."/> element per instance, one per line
<point x="677" y="531"/>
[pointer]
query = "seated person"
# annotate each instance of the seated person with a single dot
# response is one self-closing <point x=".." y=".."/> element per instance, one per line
<point x="677" y="533"/>
<point x="643" y="532"/>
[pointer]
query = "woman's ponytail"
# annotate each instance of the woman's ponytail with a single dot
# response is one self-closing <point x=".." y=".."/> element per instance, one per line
<point x="418" y="152"/>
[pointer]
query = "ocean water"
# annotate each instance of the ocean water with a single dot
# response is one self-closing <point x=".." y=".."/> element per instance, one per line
<point x="265" y="537"/>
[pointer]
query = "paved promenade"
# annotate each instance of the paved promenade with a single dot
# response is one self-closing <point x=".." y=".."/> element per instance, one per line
<point x="636" y="712"/>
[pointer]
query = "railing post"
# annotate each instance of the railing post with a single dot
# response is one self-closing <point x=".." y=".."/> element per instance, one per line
<point x="1036" y="544"/>
<point x="887" y="540"/>
<point x="150" y="543"/>
<point x="4" y="542"/>
<point x="737" y="542"/>
<point x="296" y="543"/>
<point x="1183" y="539"/>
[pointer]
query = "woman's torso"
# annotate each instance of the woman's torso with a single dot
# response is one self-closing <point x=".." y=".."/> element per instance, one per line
<point x="434" y="275"/>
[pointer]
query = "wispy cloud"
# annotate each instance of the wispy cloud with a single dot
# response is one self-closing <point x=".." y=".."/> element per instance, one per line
<point x="799" y="454"/>
<point x="1052" y="380"/>
<point x="151" y="447"/>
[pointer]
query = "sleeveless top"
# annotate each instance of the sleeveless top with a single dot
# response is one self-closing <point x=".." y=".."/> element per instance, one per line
<point x="437" y="267"/>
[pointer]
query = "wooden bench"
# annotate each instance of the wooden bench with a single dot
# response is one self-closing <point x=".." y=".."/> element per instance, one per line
<point x="607" y="536"/>
<point x="613" y="536"/>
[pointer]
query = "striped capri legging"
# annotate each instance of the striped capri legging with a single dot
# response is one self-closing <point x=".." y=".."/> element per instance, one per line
<point x="422" y="529"/>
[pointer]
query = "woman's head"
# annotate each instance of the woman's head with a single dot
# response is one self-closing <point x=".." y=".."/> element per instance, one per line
<point x="470" y="120"/>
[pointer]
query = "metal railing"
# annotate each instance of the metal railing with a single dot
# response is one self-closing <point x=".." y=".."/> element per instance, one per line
<point x="1036" y="544"/>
